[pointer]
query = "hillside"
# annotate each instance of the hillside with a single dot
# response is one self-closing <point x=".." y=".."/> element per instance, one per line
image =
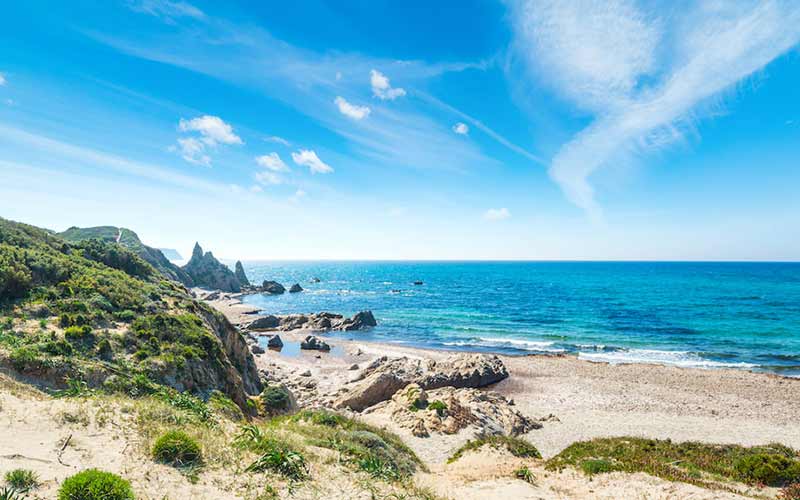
<point x="130" y="240"/>
<point x="95" y="313"/>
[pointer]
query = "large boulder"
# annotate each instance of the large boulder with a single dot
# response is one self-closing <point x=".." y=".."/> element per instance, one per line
<point x="361" y="320"/>
<point x="384" y="377"/>
<point x="275" y="342"/>
<point x="272" y="287"/>
<point x="295" y="288"/>
<point x="314" y="343"/>
<point x="264" y="323"/>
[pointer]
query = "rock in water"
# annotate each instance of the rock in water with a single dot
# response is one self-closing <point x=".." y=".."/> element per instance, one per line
<point x="264" y="323"/>
<point x="314" y="343"/>
<point x="361" y="320"/>
<point x="315" y="280"/>
<point x="206" y="271"/>
<point x="272" y="287"/>
<point x="295" y="288"/>
<point x="275" y="342"/>
<point x="240" y="275"/>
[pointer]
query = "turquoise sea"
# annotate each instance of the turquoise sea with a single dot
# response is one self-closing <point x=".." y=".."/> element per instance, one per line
<point x="739" y="315"/>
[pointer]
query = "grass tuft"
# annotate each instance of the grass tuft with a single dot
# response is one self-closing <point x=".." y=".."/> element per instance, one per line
<point x="178" y="449"/>
<point x="22" y="480"/>
<point x="516" y="446"/>
<point x="93" y="484"/>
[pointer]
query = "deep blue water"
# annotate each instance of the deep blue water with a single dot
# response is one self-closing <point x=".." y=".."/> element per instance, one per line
<point x="741" y="315"/>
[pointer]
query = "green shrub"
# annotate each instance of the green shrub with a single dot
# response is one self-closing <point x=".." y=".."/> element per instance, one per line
<point x="27" y="359"/>
<point x="81" y="336"/>
<point x="596" y="466"/>
<point x="769" y="469"/>
<point x="176" y="448"/>
<point x="222" y="404"/>
<point x="275" y="399"/>
<point x="516" y="446"/>
<point x="276" y="454"/>
<point x="8" y="493"/>
<point x="22" y="480"/>
<point x="93" y="484"/>
<point x="438" y="406"/>
<point x="525" y="474"/>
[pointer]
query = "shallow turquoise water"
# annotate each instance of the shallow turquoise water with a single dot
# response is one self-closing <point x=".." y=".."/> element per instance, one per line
<point x="741" y="315"/>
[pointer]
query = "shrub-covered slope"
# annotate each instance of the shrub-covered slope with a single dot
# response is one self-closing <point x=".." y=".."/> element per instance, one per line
<point x="131" y="241"/>
<point x="95" y="311"/>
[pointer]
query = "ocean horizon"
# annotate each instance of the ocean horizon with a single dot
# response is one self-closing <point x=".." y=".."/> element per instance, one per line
<point x="742" y="315"/>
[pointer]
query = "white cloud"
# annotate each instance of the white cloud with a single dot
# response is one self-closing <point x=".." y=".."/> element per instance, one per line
<point x="272" y="162"/>
<point x="166" y="9"/>
<point x="2" y="79"/>
<point x="382" y="88"/>
<point x="193" y="151"/>
<point x="497" y="214"/>
<point x="297" y="196"/>
<point x="310" y="159"/>
<point x="461" y="128"/>
<point x="255" y="188"/>
<point x="279" y="140"/>
<point x="268" y="178"/>
<point x="351" y="110"/>
<point x="643" y="80"/>
<point x="212" y="129"/>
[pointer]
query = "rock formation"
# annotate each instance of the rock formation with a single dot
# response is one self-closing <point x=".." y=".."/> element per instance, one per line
<point x="272" y="288"/>
<point x="240" y="275"/>
<point x="295" y="288"/>
<point x="206" y="271"/>
<point x="314" y="343"/>
<point x="275" y="342"/>
<point x="264" y="323"/>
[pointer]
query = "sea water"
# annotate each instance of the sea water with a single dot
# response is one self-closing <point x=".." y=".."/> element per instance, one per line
<point x="708" y="315"/>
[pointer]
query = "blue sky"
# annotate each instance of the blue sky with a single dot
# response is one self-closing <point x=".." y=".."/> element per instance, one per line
<point x="409" y="130"/>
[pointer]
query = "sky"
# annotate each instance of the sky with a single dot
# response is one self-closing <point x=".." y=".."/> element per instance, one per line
<point x="469" y="129"/>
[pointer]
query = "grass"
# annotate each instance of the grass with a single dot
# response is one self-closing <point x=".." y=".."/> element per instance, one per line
<point x="516" y="446"/>
<point x="275" y="399"/>
<point x="22" y="480"/>
<point x="438" y="406"/>
<point x="701" y="464"/>
<point x="525" y="474"/>
<point x="93" y="484"/>
<point x="178" y="449"/>
<point x="276" y="454"/>
<point x="8" y="493"/>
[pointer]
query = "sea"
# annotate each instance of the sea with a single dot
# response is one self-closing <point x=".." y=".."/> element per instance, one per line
<point x="703" y="315"/>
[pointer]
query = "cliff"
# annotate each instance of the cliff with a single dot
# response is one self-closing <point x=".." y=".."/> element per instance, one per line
<point x="206" y="271"/>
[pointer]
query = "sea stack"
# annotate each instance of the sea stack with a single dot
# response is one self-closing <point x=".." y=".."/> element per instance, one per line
<point x="240" y="275"/>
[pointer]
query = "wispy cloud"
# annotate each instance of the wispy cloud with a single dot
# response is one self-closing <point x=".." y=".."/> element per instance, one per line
<point x="309" y="158"/>
<point x="644" y="75"/>
<point x="212" y="131"/>
<point x="382" y="89"/>
<point x="268" y="178"/>
<point x="297" y="196"/>
<point x="2" y="79"/>
<point x="165" y="9"/>
<point x="351" y="110"/>
<point x="494" y="214"/>
<point x="272" y="162"/>
<point x="278" y="140"/>
<point x="461" y="128"/>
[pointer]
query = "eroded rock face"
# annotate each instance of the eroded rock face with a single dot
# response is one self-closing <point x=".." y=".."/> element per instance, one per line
<point x="449" y="410"/>
<point x="324" y="321"/>
<point x="272" y="287"/>
<point x="314" y="343"/>
<point x="264" y="323"/>
<point x="206" y="271"/>
<point x="384" y="377"/>
<point x="240" y="275"/>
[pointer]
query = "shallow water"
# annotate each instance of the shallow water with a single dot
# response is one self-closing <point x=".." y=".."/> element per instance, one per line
<point x="740" y="315"/>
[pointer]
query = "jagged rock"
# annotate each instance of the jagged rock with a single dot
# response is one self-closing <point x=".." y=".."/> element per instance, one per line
<point x="257" y="349"/>
<point x="354" y="366"/>
<point x="306" y="373"/>
<point x="240" y="275"/>
<point x="384" y="377"/>
<point x="206" y="271"/>
<point x="449" y="410"/>
<point x="212" y="296"/>
<point x="272" y="287"/>
<point x="275" y="342"/>
<point x="264" y="323"/>
<point x="314" y="343"/>
<point x="360" y="321"/>
<point x="295" y="288"/>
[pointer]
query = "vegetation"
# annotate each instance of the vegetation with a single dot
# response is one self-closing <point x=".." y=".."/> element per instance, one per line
<point x="516" y="446"/>
<point x="275" y="399"/>
<point x="525" y="474"/>
<point x="276" y="454"/>
<point x="438" y="406"/>
<point x="176" y="448"/>
<point x="93" y="484"/>
<point x="22" y="480"/>
<point x="692" y="462"/>
<point x="8" y="493"/>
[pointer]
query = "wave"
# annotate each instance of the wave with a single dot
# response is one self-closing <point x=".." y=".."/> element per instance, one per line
<point x="507" y="343"/>
<point x="683" y="359"/>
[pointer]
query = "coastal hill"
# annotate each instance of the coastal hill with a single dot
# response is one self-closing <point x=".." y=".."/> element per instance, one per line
<point x="130" y="240"/>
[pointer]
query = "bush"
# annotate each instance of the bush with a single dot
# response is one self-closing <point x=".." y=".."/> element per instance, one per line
<point x="517" y="447"/>
<point x="22" y="480"/>
<point x="276" y="454"/>
<point x="7" y="493"/>
<point x="769" y="469"/>
<point x="176" y="448"/>
<point x="93" y="484"/>
<point x="438" y="406"/>
<point x="595" y="466"/>
<point x="26" y="359"/>
<point x="275" y="399"/>
<point x="525" y="474"/>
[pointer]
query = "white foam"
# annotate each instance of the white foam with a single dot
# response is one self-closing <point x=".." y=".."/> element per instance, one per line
<point x="497" y="342"/>
<point x="683" y="359"/>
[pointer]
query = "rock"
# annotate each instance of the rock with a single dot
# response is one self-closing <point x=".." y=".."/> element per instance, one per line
<point x="354" y="366"/>
<point x="257" y="349"/>
<point x="449" y="410"/>
<point x="295" y="288"/>
<point x="212" y="296"/>
<point x="272" y="287"/>
<point x="206" y="271"/>
<point x="240" y="275"/>
<point x="315" y="344"/>
<point x="418" y="283"/>
<point x="275" y="342"/>
<point x="315" y="280"/>
<point x="264" y="323"/>
<point x="361" y="320"/>
<point x="384" y="377"/>
<point x="306" y="373"/>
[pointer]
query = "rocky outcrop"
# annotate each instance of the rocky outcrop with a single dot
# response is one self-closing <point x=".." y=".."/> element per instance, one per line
<point x="206" y="271"/>
<point x="361" y="320"/>
<point x="314" y="343"/>
<point x="275" y="342"/>
<point x="240" y="275"/>
<point x="264" y="323"/>
<point x="325" y="321"/>
<point x="384" y="377"/>
<point x="449" y="410"/>
<point x="295" y="288"/>
<point x="272" y="288"/>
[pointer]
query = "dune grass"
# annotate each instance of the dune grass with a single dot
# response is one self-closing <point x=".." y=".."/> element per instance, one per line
<point x="516" y="446"/>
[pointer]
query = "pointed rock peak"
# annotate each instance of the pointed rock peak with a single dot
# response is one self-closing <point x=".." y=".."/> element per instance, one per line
<point x="240" y="274"/>
<point x="198" y="251"/>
